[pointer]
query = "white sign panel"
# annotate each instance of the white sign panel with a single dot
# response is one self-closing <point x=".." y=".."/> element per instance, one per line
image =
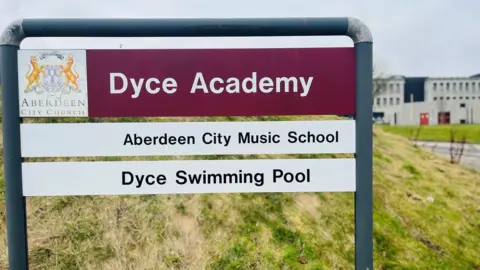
<point x="187" y="138"/>
<point x="52" y="83"/>
<point x="181" y="177"/>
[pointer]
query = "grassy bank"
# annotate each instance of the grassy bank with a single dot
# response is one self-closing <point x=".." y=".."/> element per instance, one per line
<point x="438" y="133"/>
<point x="426" y="214"/>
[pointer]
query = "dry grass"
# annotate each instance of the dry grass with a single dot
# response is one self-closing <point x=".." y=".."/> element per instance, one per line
<point x="268" y="231"/>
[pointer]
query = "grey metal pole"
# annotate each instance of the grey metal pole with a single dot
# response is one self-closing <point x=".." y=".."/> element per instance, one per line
<point x="14" y="199"/>
<point x="362" y="39"/>
<point x="217" y="27"/>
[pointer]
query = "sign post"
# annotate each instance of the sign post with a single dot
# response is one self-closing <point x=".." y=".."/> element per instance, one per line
<point x="97" y="83"/>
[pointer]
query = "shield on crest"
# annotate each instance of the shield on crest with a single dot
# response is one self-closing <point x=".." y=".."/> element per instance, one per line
<point x="51" y="78"/>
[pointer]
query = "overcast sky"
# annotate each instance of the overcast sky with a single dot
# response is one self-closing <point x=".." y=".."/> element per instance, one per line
<point x="411" y="37"/>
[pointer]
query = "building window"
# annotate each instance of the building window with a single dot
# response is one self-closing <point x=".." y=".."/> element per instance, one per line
<point x="434" y="86"/>
<point x="460" y="98"/>
<point x="466" y="87"/>
<point x="454" y="86"/>
<point x="384" y="101"/>
<point x="454" y="97"/>
<point x="460" y="86"/>
<point x="448" y="98"/>
<point x="398" y="101"/>
<point x="378" y="101"/>
<point x="391" y="101"/>
<point x="398" y="88"/>
<point x="435" y="98"/>
<point x="467" y="97"/>
<point x="473" y="97"/>
<point x="448" y="86"/>
<point x="462" y="105"/>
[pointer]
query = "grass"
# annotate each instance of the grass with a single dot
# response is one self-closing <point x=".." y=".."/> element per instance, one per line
<point x="438" y="133"/>
<point x="426" y="214"/>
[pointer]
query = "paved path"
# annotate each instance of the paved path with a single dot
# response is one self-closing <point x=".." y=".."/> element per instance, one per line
<point x="471" y="152"/>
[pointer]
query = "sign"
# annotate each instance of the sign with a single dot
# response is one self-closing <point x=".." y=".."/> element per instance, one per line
<point x="187" y="82"/>
<point x="182" y="177"/>
<point x="187" y="138"/>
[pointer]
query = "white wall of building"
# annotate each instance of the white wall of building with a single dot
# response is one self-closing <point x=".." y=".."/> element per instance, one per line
<point x="410" y="113"/>
<point x="391" y="92"/>
<point x="458" y="96"/>
<point x="452" y="89"/>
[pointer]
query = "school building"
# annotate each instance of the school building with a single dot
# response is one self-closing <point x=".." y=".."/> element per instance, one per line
<point x="427" y="100"/>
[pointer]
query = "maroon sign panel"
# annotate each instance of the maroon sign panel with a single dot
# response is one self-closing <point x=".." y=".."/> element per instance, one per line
<point x="221" y="82"/>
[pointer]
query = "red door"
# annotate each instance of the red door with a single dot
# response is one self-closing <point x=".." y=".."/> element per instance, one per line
<point x="424" y="119"/>
<point x="443" y="118"/>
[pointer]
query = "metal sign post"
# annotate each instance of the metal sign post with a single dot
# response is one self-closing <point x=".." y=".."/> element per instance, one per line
<point x="16" y="32"/>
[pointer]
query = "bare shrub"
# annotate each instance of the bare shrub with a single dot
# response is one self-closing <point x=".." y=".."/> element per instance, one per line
<point x="415" y="134"/>
<point x="457" y="147"/>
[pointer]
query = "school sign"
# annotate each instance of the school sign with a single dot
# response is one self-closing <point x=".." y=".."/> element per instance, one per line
<point x="183" y="83"/>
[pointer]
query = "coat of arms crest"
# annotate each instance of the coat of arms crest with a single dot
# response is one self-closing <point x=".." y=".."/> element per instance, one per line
<point x="55" y="76"/>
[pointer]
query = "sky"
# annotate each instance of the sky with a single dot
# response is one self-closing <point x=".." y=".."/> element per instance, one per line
<point x="411" y="37"/>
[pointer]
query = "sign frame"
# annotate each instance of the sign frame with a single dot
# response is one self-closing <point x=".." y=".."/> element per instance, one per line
<point x="18" y="30"/>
